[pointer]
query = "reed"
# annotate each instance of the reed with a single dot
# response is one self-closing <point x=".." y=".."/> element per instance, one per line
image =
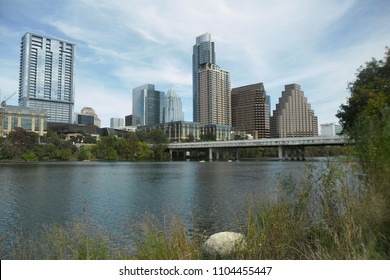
<point x="170" y="244"/>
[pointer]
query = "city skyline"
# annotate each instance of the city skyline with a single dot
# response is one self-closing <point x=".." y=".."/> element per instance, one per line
<point x="319" y="45"/>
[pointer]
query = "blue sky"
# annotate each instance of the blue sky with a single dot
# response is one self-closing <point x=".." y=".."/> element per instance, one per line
<point x="122" y="44"/>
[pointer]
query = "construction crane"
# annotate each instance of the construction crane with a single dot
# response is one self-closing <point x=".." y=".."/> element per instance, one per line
<point x="2" y="112"/>
<point x="4" y="101"/>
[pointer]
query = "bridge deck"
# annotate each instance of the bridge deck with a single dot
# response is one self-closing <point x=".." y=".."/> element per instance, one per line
<point x="272" y="142"/>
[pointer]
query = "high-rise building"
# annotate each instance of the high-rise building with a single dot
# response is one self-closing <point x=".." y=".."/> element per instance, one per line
<point x="117" y="122"/>
<point x="173" y="111"/>
<point x="148" y="105"/>
<point x="293" y="116"/>
<point x="251" y="111"/>
<point x="46" y="76"/>
<point x="211" y="85"/>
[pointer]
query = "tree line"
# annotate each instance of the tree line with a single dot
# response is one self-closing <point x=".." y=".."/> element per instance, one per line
<point x="22" y="145"/>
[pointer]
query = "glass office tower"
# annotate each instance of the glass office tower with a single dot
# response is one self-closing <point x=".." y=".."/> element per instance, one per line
<point x="46" y="77"/>
<point x="148" y="105"/>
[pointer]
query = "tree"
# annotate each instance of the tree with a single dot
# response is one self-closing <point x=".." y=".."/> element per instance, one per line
<point x="366" y="119"/>
<point x="209" y="136"/>
<point x="370" y="94"/>
<point x="22" y="139"/>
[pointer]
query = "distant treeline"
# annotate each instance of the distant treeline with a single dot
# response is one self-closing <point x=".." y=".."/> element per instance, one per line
<point x="21" y="145"/>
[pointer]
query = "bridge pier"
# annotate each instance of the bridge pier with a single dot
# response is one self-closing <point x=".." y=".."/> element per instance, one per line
<point x="283" y="152"/>
<point x="210" y="154"/>
<point x="280" y="152"/>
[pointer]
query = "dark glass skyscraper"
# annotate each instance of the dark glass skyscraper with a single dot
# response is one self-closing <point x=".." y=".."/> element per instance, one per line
<point x="46" y="77"/>
<point x="148" y="105"/>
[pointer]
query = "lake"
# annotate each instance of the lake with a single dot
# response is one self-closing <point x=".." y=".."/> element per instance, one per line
<point x="117" y="196"/>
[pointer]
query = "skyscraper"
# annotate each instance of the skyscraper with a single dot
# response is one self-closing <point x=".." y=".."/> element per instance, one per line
<point x="293" y="116"/>
<point x="46" y="76"/>
<point x="203" y="52"/>
<point x="148" y="105"/>
<point x="251" y="111"/>
<point x="173" y="111"/>
<point x="211" y="85"/>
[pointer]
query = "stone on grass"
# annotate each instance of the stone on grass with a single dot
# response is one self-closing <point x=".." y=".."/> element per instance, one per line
<point x="224" y="243"/>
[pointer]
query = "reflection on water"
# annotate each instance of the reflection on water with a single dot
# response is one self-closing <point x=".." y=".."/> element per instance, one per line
<point x="208" y="196"/>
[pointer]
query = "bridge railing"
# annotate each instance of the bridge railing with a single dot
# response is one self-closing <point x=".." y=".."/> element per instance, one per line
<point x="272" y="142"/>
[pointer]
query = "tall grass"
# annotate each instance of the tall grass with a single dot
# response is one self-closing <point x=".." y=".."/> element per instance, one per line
<point x="73" y="242"/>
<point x="312" y="219"/>
<point x="172" y="243"/>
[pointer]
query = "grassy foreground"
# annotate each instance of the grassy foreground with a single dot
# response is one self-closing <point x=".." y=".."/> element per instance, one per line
<point x="331" y="214"/>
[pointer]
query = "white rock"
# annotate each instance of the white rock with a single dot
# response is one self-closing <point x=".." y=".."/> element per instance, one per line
<point x="224" y="243"/>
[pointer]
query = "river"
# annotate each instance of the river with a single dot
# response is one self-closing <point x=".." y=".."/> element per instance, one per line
<point x="117" y="196"/>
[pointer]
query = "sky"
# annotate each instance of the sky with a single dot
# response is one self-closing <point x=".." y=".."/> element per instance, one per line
<point x="122" y="44"/>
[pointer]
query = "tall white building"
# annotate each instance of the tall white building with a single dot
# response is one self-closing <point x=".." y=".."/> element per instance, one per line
<point x="211" y="85"/>
<point x="173" y="111"/>
<point x="330" y="129"/>
<point x="117" y="122"/>
<point x="46" y="76"/>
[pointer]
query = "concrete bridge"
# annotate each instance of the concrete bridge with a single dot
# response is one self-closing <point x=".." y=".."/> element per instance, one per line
<point x="285" y="145"/>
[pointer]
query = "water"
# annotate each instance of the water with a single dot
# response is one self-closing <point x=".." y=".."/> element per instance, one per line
<point x="209" y="197"/>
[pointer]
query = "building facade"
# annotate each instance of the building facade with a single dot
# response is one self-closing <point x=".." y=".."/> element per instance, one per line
<point x="251" y="111"/>
<point x="88" y="111"/>
<point x="12" y="117"/>
<point x="173" y="109"/>
<point x="117" y="122"/>
<point x="293" y="116"/>
<point x="211" y="85"/>
<point x="85" y="119"/>
<point x="148" y="105"/>
<point x="184" y="131"/>
<point x="330" y="129"/>
<point x="46" y="76"/>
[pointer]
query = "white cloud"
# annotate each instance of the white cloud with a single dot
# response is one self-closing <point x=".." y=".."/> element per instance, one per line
<point x="123" y="44"/>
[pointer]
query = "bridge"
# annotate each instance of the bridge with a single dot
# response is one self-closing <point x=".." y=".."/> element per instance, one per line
<point x="285" y="145"/>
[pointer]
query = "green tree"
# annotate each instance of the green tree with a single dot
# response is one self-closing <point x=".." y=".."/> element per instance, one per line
<point x="51" y="137"/>
<point x="7" y="150"/>
<point x="106" y="148"/>
<point x="144" y="151"/>
<point x="84" y="153"/>
<point x="366" y="120"/>
<point x="208" y="137"/>
<point x="370" y="93"/>
<point x="23" y="140"/>
<point x="155" y="136"/>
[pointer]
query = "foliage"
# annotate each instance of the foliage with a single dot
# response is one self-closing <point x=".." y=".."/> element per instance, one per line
<point x="366" y="119"/>
<point x="170" y="244"/>
<point x="370" y="93"/>
<point x="208" y="137"/>
<point x="155" y="136"/>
